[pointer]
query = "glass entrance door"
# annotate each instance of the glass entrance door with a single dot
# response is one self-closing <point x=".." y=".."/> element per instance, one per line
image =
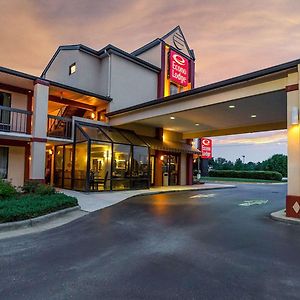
<point x="170" y="168"/>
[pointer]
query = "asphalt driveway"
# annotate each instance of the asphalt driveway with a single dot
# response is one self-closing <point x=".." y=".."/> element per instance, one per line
<point x="184" y="245"/>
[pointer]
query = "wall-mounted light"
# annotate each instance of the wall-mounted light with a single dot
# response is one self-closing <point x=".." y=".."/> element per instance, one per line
<point x="295" y="115"/>
<point x="93" y="115"/>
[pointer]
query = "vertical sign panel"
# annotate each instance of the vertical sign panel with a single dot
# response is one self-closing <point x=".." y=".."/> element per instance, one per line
<point x="206" y="148"/>
<point x="179" y="69"/>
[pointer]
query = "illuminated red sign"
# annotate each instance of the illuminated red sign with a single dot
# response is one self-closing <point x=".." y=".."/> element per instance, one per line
<point x="206" y="148"/>
<point x="179" y="68"/>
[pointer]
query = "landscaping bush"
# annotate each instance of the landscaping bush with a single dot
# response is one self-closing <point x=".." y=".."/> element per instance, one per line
<point x="265" y="175"/>
<point x="30" y="186"/>
<point x="45" y="189"/>
<point x="7" y="190"/>
<point x="33" y="186"/>
<point x="33" y="205"/>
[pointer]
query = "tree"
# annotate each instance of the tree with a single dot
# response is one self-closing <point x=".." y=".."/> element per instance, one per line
<point x="277" y="162"/>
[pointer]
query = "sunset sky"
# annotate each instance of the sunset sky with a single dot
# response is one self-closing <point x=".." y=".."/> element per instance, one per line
<point x="229" y="37"/>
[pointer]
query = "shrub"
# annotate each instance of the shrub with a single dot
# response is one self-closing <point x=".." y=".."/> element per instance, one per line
<point x="33" y="205"/>
<point x="30" y="186"/>
<point x="7" y="190"/>
<point x="45" y="189"/>
<point x="264" y="175"/>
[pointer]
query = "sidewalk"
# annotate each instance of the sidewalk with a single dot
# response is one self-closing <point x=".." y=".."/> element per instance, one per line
<point x="94" y="201"/>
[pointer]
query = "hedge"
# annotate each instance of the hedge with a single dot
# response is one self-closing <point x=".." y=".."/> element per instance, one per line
<point x="33" y="205"/>
<point x="266" y="175"/>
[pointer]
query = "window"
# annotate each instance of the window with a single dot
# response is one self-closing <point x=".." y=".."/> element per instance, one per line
<point x="72" y="68"/>
<point x="173" y="89"/>
<point x="3" y="162"/>
<point x="5" y="100"/>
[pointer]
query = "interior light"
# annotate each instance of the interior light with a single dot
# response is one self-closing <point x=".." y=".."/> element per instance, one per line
<point x="50" y="152"/>
<point x="162" y="157"/>
<point x="231" y="106"/>
<point x="172" y="118"/>
<point x="253" y="116"/>
<point x="93" y="115"/>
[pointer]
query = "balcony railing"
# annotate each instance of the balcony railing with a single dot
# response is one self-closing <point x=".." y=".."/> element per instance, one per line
<point x="15" y="120"/>
<point x="59" y="127"/>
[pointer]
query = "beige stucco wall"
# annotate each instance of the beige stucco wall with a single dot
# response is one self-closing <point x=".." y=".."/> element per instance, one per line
<point x="131" y="83"/>
<point x="17" y="100"/>
<point x="91" y="72"/>
<point x="16" y="165"/>
<point x="153" y="55"/>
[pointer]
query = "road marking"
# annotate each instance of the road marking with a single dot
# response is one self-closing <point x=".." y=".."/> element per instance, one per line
<point x="253" y="202"/>
<point x="203" y="196"/>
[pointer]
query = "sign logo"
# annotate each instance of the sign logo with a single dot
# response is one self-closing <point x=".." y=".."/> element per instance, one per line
<point x="179" y="68"/>
<point x="206" y="148"/>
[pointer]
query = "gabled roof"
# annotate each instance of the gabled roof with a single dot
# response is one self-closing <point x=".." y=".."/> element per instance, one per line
<point x="157" y="41"/>
<point x="107" y="49"/>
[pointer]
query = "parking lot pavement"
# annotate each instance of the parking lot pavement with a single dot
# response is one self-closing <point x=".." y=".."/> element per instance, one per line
<point x="218" y="244"/>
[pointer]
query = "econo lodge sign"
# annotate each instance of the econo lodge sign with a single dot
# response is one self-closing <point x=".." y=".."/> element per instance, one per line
<point x="206" y="148"/>
<point x="179" y="68"/>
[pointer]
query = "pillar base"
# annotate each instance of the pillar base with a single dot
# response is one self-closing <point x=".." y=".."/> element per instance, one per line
<point x="293" y="206"/>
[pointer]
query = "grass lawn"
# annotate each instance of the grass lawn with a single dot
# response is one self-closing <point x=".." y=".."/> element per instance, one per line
<point x="238" y="179"/>
<point x="22" y="207"/>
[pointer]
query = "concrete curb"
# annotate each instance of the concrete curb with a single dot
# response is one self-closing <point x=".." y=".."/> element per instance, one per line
<point x="281" y="217"/>
<point x="38" y="220"/>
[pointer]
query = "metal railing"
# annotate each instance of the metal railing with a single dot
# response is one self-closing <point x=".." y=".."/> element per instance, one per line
<point x="59" y="127"/>
<point x="15" y="120"/>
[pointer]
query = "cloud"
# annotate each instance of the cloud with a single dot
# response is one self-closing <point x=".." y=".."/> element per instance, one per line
<point x="229" y="37"/>
<point x="262" y="138"/>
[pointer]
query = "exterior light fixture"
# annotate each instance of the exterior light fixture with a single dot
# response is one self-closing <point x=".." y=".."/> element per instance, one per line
<point x="197" y="124"/>
<point x="172" y="118"/>
<point x="295" y="115"/>
<point x="253" y="116"/>
<point x="93" y="115"/>
<point x="231" y="106"/>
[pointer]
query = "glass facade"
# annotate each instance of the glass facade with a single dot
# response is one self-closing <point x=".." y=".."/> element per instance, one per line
<point x="102" y="158"/>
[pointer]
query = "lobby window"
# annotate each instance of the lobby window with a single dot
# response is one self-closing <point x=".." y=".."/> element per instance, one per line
<point x="173" y="89"/>
<point x="72" y="68"/>
<point x="3" y="162"/>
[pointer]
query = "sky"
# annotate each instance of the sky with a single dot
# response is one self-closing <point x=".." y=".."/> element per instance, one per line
<point x="229" y="37"/>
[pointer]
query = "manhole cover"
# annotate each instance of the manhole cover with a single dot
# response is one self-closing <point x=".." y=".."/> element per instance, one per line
<point x="253" y="202"/>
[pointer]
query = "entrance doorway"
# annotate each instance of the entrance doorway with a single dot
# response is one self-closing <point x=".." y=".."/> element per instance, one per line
<point x="170" y="169"/>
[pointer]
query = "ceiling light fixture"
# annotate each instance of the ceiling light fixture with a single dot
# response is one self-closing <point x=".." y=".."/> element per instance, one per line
<point x="231" y="106"/>
<point x="197" y="124"/>
<point x="172" y="118"/>
<point x="253" y="116"/>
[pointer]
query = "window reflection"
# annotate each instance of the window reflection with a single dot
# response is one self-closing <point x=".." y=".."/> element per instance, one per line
<point x="100" y="162"/>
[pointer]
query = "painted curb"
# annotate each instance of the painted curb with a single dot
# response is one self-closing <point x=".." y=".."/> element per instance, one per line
<point x="38" y="220"/>
<point x="279" y="216"/>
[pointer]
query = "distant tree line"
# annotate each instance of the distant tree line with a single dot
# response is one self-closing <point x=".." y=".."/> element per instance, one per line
<point x="277" y="162"/>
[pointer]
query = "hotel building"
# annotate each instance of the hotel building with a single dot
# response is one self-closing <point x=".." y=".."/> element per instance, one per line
<point x="111" y="120"/>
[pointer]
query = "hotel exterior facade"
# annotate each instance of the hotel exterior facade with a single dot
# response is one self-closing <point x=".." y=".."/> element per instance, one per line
<point x="113" y="120"/>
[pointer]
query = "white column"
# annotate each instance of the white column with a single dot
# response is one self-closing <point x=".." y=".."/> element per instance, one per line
<point x="293" y="196"/>
<point x="39" y="130"/>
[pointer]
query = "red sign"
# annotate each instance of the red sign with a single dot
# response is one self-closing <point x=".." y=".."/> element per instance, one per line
<point x="206" y="148"/>
<point x="179" y="68"/>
